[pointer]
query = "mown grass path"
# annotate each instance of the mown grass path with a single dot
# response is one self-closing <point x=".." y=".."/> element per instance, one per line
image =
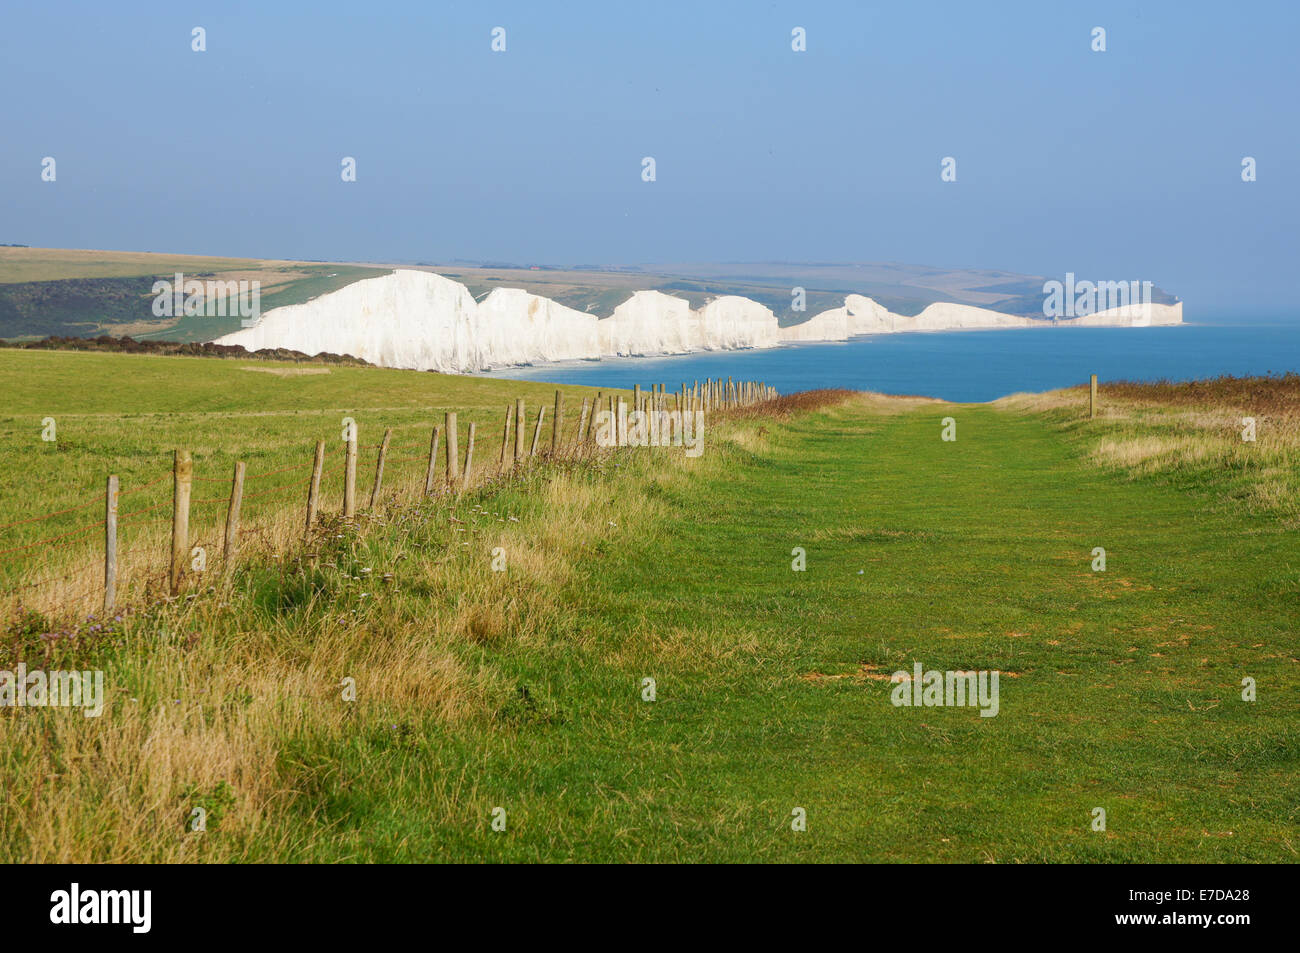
<point x="1120" y="689"/>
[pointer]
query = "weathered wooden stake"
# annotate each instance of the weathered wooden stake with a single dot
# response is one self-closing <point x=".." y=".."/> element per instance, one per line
<point x="433" y="461"/>
<point x="537" y="431"/>
<point x="557" y="422"/>
<point x="350" y="476"/>
<point x="453" y="450"/>
<point x="231" y="549"/>
<point x="379" y="467"/>
<point x="583" y="420"/>
<point x="521" y="418"/>
<point x="110" y="545"/>
<point x="313" y="490"/>
<point x="1092" y="397"/>
<point x="182" y="481"/>
<point x="505" y="438"/>
<point x="469" y="456"/>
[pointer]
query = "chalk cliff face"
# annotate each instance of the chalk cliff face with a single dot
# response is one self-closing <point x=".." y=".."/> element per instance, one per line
<point x="945" y="316"/>
<point x="867" y="317"/>
<point x="520" y="328"/>
<point x="1132" y="316"/>
<point x="833" y="325"/>
<point x="861" y="315"/>
<point x="423" y="321"/>
<point x="407" y="319"/>
<point x="732" y="322"/>
<point x="649" y="322"/>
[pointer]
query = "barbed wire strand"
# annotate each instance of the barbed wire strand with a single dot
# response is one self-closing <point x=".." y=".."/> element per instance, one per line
<point x="51" y="539"/>
<point x="71" y="509"/>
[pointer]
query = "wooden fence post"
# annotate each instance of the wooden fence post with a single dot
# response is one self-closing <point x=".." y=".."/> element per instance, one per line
<point x="622" y="422"/>
<point x="350" y="476"/>
<point x="231" y="549"/>
<point x="313" y="490"/>
<point x="557" y="422"/>
<point x="590" y="435"/>
<point x="110" y="545"/>
<point x="583" y="417"/>
<point x="379" y="467"/>
<point x="520" y="419"/>
<point x="505" y="438"/>
<point x="469" y="456"/>
<point x="453" y="450"/>
<point x="1092" y="397"/>
<point x="433" y="461"/>
<point x="537" y="430"/>
<point x="182" y="477"/>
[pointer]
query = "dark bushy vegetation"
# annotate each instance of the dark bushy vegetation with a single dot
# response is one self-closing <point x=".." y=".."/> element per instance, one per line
<point x="1269" y="394"/>
<point x="801" y="402"/>
<point x="128" y="345"/>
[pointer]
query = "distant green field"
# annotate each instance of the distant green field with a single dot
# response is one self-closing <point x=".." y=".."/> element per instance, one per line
<point x="82" y="293"/>
<point x="316" y="280"/>
<point x="19" y="264"/>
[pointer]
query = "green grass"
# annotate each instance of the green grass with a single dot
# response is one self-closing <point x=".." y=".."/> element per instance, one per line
<point x="124" y="414"/>
<point x="85" y="293"/>
<point x="522" y="690"/>
<point x="975" y="554"/>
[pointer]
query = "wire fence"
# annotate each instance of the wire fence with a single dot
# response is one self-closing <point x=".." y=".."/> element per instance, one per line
<point x="132" y="544"/>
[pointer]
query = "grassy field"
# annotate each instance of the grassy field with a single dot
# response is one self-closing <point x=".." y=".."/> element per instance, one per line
<point x="125" y="414"/>
<point x="1193" y="434"/>
<point x="523" y="689"/>
<point x="84" y="293"/>
<point x="21" y="265"/>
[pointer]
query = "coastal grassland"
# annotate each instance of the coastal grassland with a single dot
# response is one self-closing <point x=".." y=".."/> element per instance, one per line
<point x="523" y="689"/>
<point x="1191" y="433"/>
<point x="124" y="414"/>
<point x="84" y="293"/>
<point x="281" y="286"/>
<point x="18" y="265"/>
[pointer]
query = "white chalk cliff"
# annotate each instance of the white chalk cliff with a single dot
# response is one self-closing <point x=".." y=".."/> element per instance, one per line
<point x="422" y="321"/>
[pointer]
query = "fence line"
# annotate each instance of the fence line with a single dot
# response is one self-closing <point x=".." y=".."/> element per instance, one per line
<point x="515" y="457"/>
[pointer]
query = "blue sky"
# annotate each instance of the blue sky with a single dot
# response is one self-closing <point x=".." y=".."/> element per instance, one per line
<point x="1116" y="165"/>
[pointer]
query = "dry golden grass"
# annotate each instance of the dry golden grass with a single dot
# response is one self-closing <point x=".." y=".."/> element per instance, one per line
<point x="66" y="581"/>
<point x="1196" y="427"/>
<point x="890" y="404"/>
<point x="123" y="776"/>
<point x="117" y="789"/>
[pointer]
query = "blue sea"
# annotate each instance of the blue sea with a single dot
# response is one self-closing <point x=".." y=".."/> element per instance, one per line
<point x="966" y="366"/>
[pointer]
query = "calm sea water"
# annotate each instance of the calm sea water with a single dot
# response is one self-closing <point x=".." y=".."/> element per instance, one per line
<point x="966" y="366"/>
